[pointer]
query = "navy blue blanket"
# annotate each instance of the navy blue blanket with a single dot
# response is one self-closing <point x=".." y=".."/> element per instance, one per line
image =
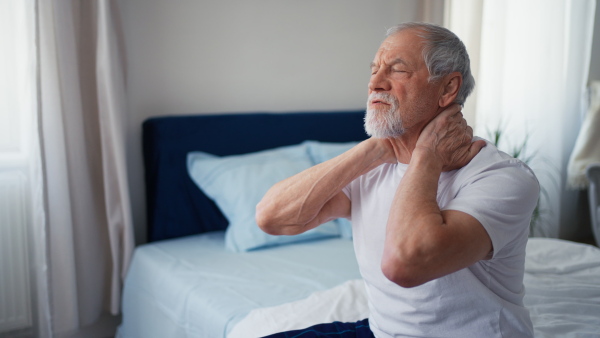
<point x="358" y="329"/>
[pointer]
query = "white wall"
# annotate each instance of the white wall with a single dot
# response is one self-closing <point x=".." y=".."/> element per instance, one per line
<point x="208" y="56"/>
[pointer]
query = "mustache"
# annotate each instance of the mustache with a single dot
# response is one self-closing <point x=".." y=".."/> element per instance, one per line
<point x="385" y="97"/>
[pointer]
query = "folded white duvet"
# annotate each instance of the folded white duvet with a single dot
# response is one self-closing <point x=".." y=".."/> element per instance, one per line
<point x="344" y="303"/>
<point x="562" y="281"/>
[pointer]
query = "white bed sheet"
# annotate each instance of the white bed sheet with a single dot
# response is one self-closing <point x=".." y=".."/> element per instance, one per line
<point x="192" y="287"/>
<point x="562" y="281"/>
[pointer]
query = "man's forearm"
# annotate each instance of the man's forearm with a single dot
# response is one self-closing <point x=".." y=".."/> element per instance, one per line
<point x="299" y="203"/>
<point x="423" y="242"/>
<point x="414" y="222"/>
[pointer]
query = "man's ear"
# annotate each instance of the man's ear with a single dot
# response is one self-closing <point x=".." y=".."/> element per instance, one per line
<point x="452" y="83"/>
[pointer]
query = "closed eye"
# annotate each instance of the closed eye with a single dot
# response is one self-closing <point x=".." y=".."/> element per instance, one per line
<point x="374" y="68"/>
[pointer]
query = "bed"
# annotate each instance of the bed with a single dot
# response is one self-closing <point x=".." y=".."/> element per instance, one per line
<point x="206" y="272"/>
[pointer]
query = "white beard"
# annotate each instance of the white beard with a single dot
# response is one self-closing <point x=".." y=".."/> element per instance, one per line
<point x="383" y="123"/>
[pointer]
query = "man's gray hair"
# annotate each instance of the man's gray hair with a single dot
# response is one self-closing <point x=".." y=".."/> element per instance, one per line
<point x="443" y="53"/>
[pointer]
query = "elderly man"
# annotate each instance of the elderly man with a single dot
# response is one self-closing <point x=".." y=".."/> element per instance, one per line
<point x="440" y="220"/>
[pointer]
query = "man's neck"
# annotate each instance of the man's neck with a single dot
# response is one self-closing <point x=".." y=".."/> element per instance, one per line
<point x="404" y="146"/>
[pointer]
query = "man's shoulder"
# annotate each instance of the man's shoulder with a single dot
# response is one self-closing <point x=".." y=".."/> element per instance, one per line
<point x="497" y="174"/>
<point x="492" y="160"/>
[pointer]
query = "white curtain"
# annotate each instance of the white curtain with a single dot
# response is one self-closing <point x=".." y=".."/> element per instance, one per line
<point x="533" y="62"/>
<point x="81" y="229"/>
<point x="90" y="231"/>
<point x="19" y="153"/>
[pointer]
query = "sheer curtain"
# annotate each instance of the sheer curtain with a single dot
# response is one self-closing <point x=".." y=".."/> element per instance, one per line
<point x="81" y="235"/>
<point x="533" y="62"/>
<point x="21" y="295"/>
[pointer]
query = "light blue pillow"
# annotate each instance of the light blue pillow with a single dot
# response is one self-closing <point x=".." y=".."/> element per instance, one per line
<point x="237" y="183"/>
<point x="322" y="151"/>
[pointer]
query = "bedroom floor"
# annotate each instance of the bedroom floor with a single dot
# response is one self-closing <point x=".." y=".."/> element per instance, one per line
<point x="105" y="327"/>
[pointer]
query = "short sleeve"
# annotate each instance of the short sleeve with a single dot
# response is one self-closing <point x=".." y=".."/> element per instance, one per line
<point x="346" y="191"/>
<point x="502" y="198"/>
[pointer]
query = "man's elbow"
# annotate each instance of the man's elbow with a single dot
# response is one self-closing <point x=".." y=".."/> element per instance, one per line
<point x="265" y="219"/>
<point x="401" y="272"/>
<point x="273" y="219"/>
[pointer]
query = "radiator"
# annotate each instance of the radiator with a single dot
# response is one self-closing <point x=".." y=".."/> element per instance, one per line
<point x="15" y="304"/>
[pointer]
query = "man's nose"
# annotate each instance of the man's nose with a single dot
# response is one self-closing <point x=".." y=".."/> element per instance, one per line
<point x="379" y="82"/>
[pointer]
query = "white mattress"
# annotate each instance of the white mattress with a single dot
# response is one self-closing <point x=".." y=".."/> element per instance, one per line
<point x="562" y="281"/>
<point x="192" y="287"/>
<point x="562" y="288"/>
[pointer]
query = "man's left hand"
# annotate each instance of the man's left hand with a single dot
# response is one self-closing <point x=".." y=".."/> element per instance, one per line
<point x="448" y="138"/>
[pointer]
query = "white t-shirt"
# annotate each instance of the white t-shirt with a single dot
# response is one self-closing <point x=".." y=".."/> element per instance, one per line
<point x="483" y="300"/>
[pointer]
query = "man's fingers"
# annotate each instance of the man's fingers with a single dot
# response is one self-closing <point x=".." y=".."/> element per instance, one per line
<point x="476" y="147"/>
<point x="451" y="111"/>
<point x="464" y="124"/>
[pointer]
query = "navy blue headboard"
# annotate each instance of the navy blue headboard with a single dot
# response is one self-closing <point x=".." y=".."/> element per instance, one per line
<point x="175" y="205"/>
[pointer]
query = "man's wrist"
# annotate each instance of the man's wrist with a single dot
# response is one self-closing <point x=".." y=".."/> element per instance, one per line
<point x="380" y="151"/>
